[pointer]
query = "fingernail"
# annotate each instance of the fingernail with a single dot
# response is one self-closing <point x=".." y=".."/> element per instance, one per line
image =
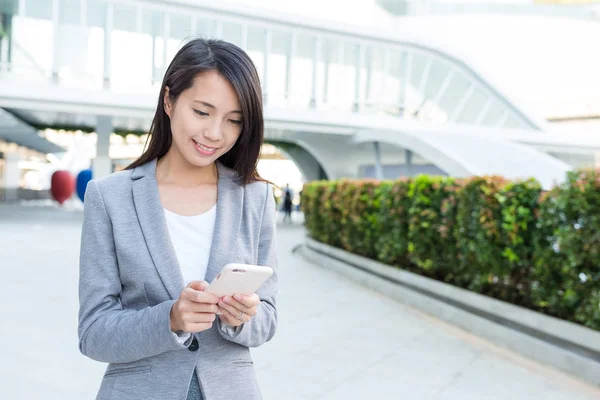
<point x="237" y="297"/>
<point x="227" y="299"/>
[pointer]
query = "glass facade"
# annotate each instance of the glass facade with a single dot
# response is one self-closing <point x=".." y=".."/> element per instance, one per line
<point x="126" y="46"/>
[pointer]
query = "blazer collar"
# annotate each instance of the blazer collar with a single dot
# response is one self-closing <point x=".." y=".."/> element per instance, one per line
<point x="149" y="209"/>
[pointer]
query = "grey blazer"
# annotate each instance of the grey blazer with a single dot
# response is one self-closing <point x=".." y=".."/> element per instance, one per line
<point x="130" y="278"/>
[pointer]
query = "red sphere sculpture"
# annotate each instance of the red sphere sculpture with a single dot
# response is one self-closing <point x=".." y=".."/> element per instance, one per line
<point x="62" y="186"/>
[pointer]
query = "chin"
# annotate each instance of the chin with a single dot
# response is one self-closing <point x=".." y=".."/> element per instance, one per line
<point x="202" y="161"/>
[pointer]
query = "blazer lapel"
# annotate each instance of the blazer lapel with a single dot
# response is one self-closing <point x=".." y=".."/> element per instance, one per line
<point x="154" y="227"/>
<point x="230" y="203"/>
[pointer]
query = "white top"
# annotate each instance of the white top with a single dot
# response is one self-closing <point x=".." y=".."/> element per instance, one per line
<point x="192" y="238"/>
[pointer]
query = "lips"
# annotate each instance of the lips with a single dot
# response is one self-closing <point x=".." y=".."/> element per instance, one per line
<point x="203" y="149"/>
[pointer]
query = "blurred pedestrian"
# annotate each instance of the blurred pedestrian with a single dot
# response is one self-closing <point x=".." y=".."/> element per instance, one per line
<point x="287" y="203"/>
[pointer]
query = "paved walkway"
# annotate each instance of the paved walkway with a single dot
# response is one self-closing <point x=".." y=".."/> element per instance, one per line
<point x="336" y="340"/>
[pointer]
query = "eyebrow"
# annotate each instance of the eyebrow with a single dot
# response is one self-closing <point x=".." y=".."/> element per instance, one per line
<point x="213" y="107"/>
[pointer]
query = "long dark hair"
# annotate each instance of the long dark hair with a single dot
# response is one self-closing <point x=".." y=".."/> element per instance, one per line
<point x="196" y="56"/>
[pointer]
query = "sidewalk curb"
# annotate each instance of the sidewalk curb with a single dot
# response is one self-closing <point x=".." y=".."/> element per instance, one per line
<point x="561" y="344"/>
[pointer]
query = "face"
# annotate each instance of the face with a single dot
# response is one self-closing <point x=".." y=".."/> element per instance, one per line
<point x="206" y="119"/>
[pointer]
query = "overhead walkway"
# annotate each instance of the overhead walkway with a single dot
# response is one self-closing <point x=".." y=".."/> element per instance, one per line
<point x="321" y="80"/>
<point x="16" y="131"/>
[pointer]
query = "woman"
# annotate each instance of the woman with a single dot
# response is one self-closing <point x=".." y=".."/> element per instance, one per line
<point x="155" y="233"/>
<point x="287" y="203"/>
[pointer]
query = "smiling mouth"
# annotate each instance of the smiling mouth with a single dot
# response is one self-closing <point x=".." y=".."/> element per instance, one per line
<point x="205" y="149"/>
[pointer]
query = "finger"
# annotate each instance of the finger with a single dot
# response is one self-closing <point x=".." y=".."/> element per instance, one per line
<point x="200" y="296"/>
<point x="234" y="303"/>
<point x="227" y="314"/>
<point x="234" y="311"/>
<point x="229" y="319"/>
<point x="202" y="307"/>
<point x="198" y="318"/>
<point x="198" y="285"/>
<point x="240" y="306"/>
<point x="248" y="301"/>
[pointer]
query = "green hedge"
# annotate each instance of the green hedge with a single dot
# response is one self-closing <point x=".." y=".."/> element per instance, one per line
<point x="503" y="239"/>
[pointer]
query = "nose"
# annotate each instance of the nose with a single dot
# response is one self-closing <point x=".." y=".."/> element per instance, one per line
<point x="213" y="132"/>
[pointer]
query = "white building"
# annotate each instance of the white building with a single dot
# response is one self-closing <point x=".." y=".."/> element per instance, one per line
<point x="350" y="90"/>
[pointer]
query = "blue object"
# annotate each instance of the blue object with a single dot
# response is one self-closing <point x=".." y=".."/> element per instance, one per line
<point x="82" y="180"/>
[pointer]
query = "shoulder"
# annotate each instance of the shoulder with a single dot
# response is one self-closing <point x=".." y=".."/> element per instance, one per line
<point x="262" y="195"/>
<point x="258" y="190"/>
<point x="113" y="185"/>
<point x="254" y="192"/>
<point x="116" y="178"/>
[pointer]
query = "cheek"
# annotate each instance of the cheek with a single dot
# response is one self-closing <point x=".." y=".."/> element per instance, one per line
<point x="181" y="128"/>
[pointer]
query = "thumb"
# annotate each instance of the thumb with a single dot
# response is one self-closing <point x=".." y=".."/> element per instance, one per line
<point x="198" y="285"/>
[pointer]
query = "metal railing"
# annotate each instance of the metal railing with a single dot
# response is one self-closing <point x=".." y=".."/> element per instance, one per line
<point x="302" y="62"/>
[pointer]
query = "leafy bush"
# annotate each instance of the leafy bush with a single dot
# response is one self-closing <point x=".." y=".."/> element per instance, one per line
<point x="499" y="238"/>
<point x="431" y="244"/>
<point x="360" y="220"/>
<point x="567" y="251"/>
<point x="391" y="244"/>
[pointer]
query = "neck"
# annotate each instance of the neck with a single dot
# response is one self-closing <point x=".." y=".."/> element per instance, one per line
<point x="177" y="171"/>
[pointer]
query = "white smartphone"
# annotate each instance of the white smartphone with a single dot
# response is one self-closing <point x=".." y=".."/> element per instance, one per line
<point x="243" y="279"/>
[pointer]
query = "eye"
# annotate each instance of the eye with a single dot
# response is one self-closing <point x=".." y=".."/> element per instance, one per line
<point x="235" y="121"/>
<point x="200" y="113"/>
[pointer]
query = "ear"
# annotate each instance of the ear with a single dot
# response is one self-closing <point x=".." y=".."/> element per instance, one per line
<point x="168" y="106"/>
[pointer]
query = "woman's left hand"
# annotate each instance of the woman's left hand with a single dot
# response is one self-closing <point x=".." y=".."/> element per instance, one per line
<point x="238" y="309"/>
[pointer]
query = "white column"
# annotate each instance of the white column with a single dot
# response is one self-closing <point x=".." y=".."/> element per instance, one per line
<point x="484" y="112"/>
<point x="108" y="26"/>
<point x="153" y="79"/>
<point x="55" y="39"/>
<point x="405" y="81"/>
<point x="326" y="69"/>
<point x="409" y="162"/>
<point x="268" y="36"/>
<point x="369" y="56"/>
<point x="288" y="65"/>
<point x="317" y="51"/>
<point x="102" y="164"/>
<point x="3" y="43"/>
<point x="360" y="57"/>
<point x="9" y="52"/>
<point x="83" y="15"/>
<point x="425" y="77"/>
<point x="444" y="87"/>
<point x="387" y="62"/>
<point x="378" y="164"/>
<point x="462" y="103"/>
<point x="12" y="175"/>
<point x="138" y="19"/>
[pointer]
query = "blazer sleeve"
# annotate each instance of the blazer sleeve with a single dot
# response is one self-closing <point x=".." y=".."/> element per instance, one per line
<point x="107" y="332"/>
<point x="261" y="328"/>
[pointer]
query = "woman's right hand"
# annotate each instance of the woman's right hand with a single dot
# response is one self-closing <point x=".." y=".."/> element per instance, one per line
<point x="195" y="310"/>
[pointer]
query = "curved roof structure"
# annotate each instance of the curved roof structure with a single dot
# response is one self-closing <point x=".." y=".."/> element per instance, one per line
<point x="549" y="65"/>
<point x="410" y="77"/>
<point x="464" y="154"/>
